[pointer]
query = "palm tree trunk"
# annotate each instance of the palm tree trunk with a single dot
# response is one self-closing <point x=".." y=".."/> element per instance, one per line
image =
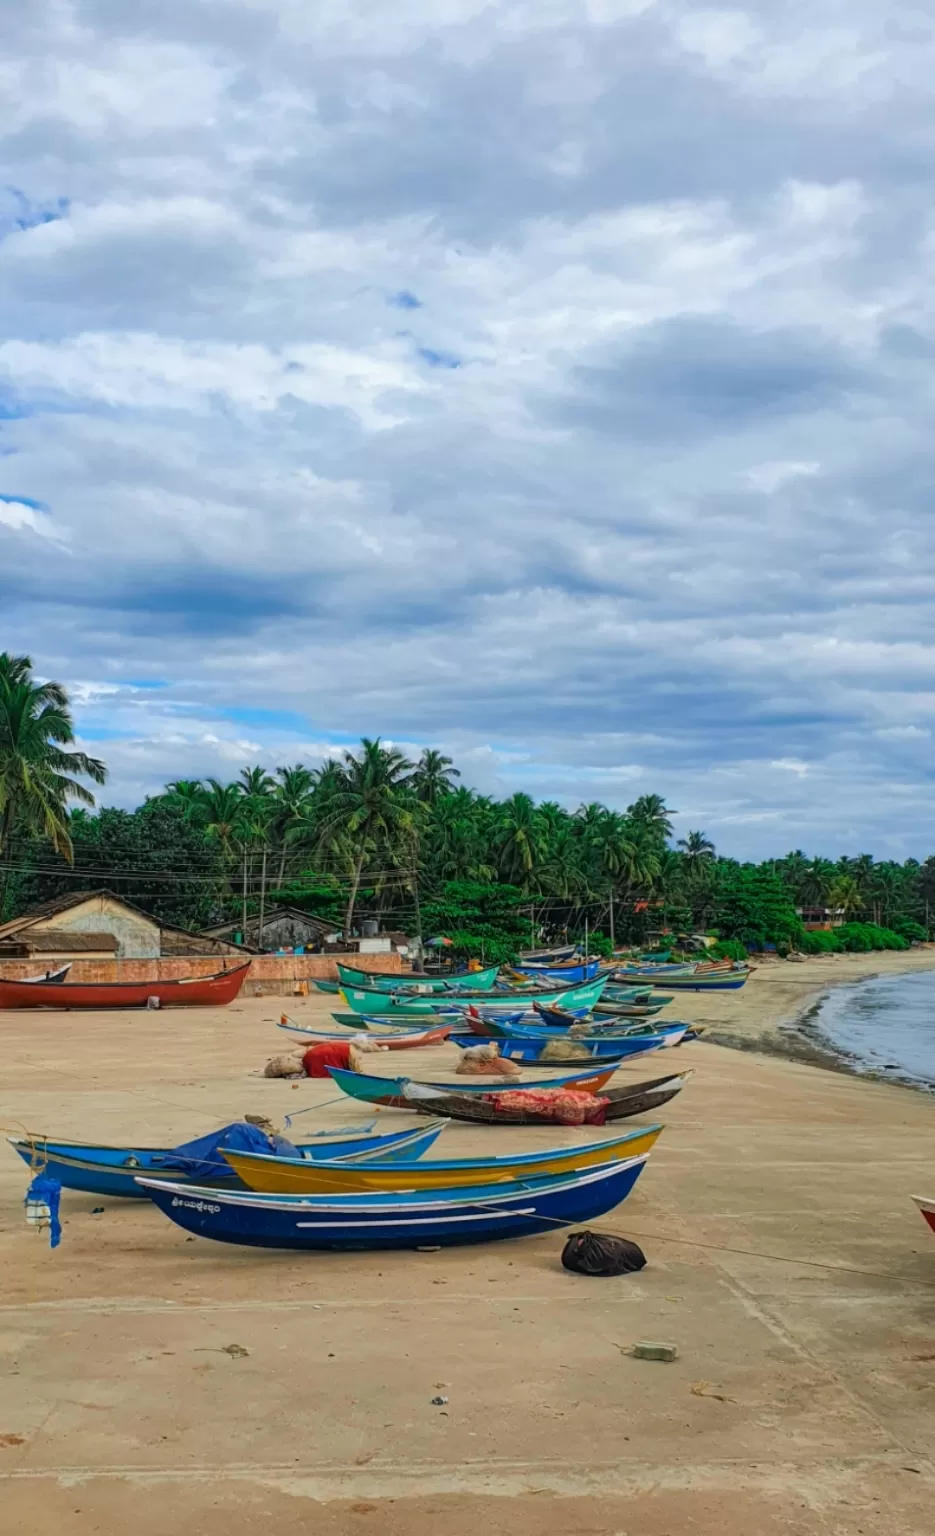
<point x="349" y="914"/>
<point x="282" y="868"/>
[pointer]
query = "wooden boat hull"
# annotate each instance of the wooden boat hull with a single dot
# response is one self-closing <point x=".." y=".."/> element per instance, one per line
<point x="199" y="992"/>
<point x="474" y="1214"/>
<point x="561" y="1052"/>
<point x="470" y="981"/>
<point x="281" y="1176"/>
<point x="719" y="981"/>
<point x="390" y="1040"/>
<point x="362" y="1000"/>
<point x="101" y="1170"/>
<point x="927" y="1207"/>
<point x="622" y="1103"/>
<point x="391" y="1092"/>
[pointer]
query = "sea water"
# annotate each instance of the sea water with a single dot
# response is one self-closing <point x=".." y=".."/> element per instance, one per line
<point x="886" y="1024"/>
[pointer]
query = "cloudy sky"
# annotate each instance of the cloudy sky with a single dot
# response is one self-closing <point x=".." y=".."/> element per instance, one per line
<point x="550" y="381"/>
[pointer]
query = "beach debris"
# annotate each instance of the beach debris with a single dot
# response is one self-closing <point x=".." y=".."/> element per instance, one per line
<point x="600" y="1253"/>
<point x="98" y="1210"/>
<point x="236" y="1351"/>
<point x="429" y="1248"/>
<point x="439" y="1402"/>
<point x="12" y="1440"/>
<point x="646" y="1350"/>
<point x="705" y="1389"/>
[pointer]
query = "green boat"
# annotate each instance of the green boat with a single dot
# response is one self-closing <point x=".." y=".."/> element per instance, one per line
<point x="369" y="1001"/>
<point x="476" y="981"/>
<point x="327" y="986"/>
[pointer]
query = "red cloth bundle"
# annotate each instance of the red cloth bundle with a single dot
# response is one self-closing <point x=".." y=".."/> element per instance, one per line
<point x="330" y="1053"/>
<point x="559" y="1105"/>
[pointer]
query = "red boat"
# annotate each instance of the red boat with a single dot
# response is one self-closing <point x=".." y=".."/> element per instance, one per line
<point x="191" y="992"/>
<point x="927" y="1207"/>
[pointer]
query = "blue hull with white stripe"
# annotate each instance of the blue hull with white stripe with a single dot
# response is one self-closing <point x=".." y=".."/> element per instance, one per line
<point x="480" y="1214"/>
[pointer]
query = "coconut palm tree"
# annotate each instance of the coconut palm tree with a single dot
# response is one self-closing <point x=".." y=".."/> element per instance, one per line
<point x="369" y="807"/>
<point x="37" y="774"/>
<point x="292" y="794"/>
<point x="434" y="776"/>
<point x="844" y="897"/>
<point x="224" y="814"/>
<point x="520" y="839"/>
<point x="651" y="813"/>
<point x="696" y="850"/>
<point x="188" y="795"/>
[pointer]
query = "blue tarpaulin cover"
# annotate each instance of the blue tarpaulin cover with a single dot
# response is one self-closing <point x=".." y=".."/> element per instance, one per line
<point x="201" y="1159"/>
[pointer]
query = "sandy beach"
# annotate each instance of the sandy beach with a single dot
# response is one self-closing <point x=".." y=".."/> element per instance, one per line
<point x="786" y="1261"/>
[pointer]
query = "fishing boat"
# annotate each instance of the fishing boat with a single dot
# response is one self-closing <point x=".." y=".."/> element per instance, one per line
<point x="466" y="1214"/>
<point x="295" y="1176"/>
<point x="708" y="981"/>
<point x="496" y="1107"/>
<point x="469" y="981"/>
<point x="556" y="1051"/>
<point x="51" y="978"/>
<point x="390" y="1039"/>
<point x="583" y="970"/>
<point x="927" y="1207"/>
<point x="392" y="1092"/>
<point x="102" y="1170"/>
<point x="366" y="1001"/>
<point x="669" y="1034"/>
<point x="192" y="992"/>
<point x="394" y="1023"/>
<point x="630" y="1010"/>
<point x="549" y="956"/>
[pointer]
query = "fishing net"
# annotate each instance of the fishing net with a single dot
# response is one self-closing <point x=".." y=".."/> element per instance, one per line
<point x="600" y="1253"/>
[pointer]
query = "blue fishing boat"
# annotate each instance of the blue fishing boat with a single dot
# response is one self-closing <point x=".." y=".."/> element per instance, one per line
<point x="670" y="1034"/>
<point x="103" y="1170"/>
<point x="557" y="1052"/>
<point x="464" y="1214"/>
<point x="584" y="971"/>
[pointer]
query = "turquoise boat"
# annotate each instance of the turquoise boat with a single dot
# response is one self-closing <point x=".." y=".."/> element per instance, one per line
<point x="471" y="981"/>
<point x="367" y="1000"/>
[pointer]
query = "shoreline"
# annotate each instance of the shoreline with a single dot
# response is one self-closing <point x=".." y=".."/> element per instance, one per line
<point x="779" y="1011"/>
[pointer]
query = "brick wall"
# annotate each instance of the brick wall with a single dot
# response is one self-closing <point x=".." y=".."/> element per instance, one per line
<point x="270" y="975"/>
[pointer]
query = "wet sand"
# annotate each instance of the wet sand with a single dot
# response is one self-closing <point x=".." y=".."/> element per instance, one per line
<point x="786" y="1261"/>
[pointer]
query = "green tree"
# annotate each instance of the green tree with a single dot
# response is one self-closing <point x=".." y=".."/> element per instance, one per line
<point x="369" y="807"/>
<point x="433" y="777"/>
<point x="38" y="776"/>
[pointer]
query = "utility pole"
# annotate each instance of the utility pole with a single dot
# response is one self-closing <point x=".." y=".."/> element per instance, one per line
<point x="586" y="940"/>
<point x="612" y="940"/>
<point x="259" y="938"/>
<point x="415" y="894"/>
<point x="244" y="907"/>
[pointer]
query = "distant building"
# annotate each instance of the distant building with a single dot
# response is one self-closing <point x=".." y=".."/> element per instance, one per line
<point x="290" y="928"/>
<point x="283" y="928"/>
<point x="89" y="925"/>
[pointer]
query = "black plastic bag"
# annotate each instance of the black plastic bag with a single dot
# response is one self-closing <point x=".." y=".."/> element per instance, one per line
<point x="599" y="1253"/>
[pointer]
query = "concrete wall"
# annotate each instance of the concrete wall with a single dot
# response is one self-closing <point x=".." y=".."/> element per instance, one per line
<point x="137" y="936"/>
<point x="270" y="975"/>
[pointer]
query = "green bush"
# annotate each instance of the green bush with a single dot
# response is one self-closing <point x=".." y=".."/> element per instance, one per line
<point x="908" y="928"/>
<point x="861" y="938"/>
<point x="599" y="944"/>
<point x="728" y="949"/>
<point x="820" y="942"/>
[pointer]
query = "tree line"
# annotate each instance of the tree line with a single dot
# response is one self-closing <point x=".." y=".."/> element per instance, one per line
<point x="373" y="833"/>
